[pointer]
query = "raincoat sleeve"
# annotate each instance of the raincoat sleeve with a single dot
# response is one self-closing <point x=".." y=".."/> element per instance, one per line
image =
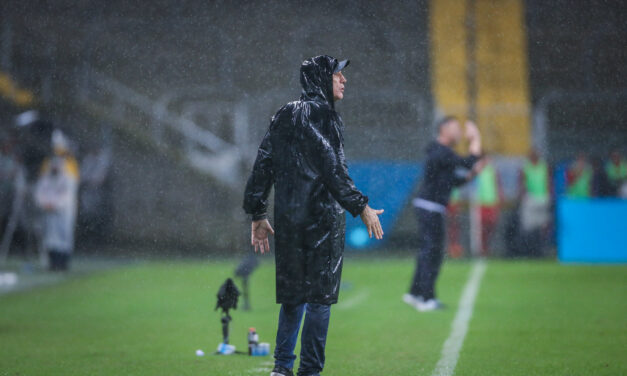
<point x="458" y="161"/>
<point x="260" y="182"/>
<point x="460" y="177"/>
<point x="323" y="147"/>
<point x="449" y="159"/>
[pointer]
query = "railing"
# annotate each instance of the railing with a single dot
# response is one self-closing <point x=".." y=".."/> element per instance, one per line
<point x="180" y="118"/>
<point x="203" y="149"/>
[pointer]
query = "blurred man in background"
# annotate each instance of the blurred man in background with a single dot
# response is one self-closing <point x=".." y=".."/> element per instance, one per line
<point x="444" y="169"/>
<point x="12" y="192"/>
<point x="489" y="196"/>
<point x="32" y="144"/>
<point x="56" y="195"/>
<point x="8" y="170"/>
<point x="579" y="178"/>
<point x="302" y="155"/>
<point x="535" y="201"/>
<point x="616" y="169"/>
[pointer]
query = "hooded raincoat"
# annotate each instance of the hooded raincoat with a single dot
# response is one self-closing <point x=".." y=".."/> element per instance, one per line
<point x="302" y="156"/>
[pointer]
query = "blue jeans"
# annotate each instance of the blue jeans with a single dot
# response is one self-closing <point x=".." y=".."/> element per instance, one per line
<point x="312" y="341"/>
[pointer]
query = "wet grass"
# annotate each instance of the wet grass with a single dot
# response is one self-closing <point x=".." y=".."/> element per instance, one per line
<point x="149" y="319"/>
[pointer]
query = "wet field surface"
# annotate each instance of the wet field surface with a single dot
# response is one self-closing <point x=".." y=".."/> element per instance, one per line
<point x="20" y="275"/>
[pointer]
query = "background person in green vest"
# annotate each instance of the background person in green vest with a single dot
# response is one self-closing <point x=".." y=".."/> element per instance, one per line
<point x="616" y="170"/>
<point x="535" y="203"/>
<point x="489" y="196"/>
<point x="579" y="178"/>
<point x="453" y="223"/>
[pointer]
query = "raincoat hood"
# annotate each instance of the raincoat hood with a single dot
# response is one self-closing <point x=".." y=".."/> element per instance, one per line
<point x="316" y="78"/>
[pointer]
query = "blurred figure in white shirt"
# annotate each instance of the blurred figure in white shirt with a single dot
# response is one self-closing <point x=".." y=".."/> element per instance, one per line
<point x="56" y="195"/>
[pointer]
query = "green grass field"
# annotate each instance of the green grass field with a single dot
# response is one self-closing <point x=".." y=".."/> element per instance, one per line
<point x="530" y="318"/>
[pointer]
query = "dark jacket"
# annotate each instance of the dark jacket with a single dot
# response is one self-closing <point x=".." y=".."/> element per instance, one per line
<point x="302" y="155"/>
<point x="444" y="169"/>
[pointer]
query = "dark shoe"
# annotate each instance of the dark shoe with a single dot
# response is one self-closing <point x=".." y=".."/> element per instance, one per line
<point x="281" y="371"/>
<point x="307" y="374"/>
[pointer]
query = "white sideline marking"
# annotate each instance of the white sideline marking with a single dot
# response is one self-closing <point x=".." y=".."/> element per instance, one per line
<point x="264" y="370"/>
<point x="264" y="367"/>
<point x="453" y="345"/>
<point x="354" y="300"/>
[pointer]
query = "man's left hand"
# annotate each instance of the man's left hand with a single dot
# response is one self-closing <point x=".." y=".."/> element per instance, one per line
<point x="370" y="217"/>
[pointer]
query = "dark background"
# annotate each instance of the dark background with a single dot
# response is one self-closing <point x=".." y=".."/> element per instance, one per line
<point x="239" y="62"/>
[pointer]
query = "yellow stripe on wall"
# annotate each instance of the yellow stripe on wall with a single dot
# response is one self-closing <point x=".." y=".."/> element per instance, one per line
<point x="502" y="84"/>
<point x="448" y="55"/>
<point x="10" y="90"/>
<point x="503" y="76"/>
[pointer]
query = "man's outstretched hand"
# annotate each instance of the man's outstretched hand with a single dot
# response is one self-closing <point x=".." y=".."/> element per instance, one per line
<point x="370" y="217"/>
<point x="472" y="131"/>
<point x="259" y="235"/>
<point x="474" y="138"/>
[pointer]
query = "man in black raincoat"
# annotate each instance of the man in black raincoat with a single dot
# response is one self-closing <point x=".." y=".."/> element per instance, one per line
<point x="302" y="156"/>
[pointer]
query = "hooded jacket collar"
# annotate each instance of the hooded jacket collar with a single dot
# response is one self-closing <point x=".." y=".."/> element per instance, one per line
<point x="316" y="78"/>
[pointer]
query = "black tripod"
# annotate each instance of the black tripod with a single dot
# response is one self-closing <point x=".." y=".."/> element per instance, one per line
<point x="225" y="320"/>
<point x="227" y="299"/>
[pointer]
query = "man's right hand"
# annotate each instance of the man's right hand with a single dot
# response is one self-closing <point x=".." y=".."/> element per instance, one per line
<point x="370" y="217"/>
<point x="259" y="235"/>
